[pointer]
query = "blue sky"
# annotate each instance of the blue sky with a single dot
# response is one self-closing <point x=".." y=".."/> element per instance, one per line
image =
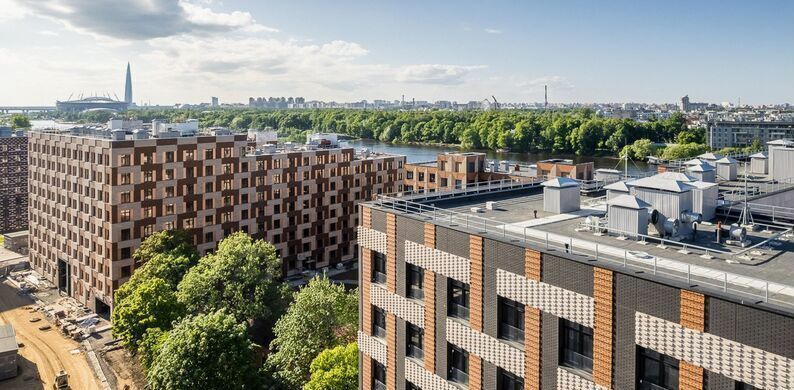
<point x="586" y="51"/>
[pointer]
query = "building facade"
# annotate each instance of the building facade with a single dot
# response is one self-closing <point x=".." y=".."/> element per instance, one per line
<point x="723" y="134"/>
<point x="93" y="200"/>
<point x="445" y="307"/>
<point x="450" y="171"/>
<point x="13" y="181"/>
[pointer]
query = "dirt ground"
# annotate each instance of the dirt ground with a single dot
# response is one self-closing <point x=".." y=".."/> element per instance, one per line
<point x="44" y="352"/>
<point x="126" y="368"/>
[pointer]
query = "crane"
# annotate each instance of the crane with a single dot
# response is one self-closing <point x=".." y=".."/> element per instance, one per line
<point x="496" y="104"/>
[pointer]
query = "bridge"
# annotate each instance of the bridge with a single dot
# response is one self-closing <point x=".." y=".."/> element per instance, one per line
<point x="25" y="109"/>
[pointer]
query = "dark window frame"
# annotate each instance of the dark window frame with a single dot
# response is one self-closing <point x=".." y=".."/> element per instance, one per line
<point x="378" y="267"/>
<point x="458" y="299"/>
<point x="457" y="364"/>
<point x="414" y="339"/>
<point x="506" y="380"/>
<point x="510" y="315"/>
<point x="414" y="281"/>
<point x="378" y="376"/>
<point x="576" y="346"/>
<point x="378" y="322"/>
<point x="666" y="372"/>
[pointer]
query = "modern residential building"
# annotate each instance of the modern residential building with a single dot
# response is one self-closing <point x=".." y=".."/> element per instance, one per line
<point x="96" y="195"/>
<point x="723" y="134"/>
<point x="510" y="299"/>
<point x="556" y="167"/>
<point x="452" y="170"/>
<point x="13" y="180"/>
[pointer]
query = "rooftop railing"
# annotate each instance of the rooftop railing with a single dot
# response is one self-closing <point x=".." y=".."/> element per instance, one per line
<point x="739" y="285"/>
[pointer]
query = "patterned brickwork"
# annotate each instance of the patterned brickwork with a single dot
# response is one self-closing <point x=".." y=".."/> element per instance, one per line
<point x="366" y="217"/>
<point x="532" y="348"/>
<point x="475" y="373"/>
<point x="391" y="252"/>
<point x="371" y="239"/>
<point x="366" y="284"/>
<point x="13" y="183"/>
<point x="441" y="262"/>
<point x="550" y="299"/>
<point x="372" y="347"/>
<point x="366" y="372"/>
<point x="489" y="348"/>
<point x="430" y="235"/>
<point x="423" y="378"/>
<point x="693" y="316"/>
<point x="391" y="352"/>
<point x="738" y="361"/>
<point x="532" y="264"/>
<point x="567" y="380"/>
<point x="402" y="307"/>
<point x="429" y="339"/>
<point x="603" y="289"/>
<point x="476" y="283"/>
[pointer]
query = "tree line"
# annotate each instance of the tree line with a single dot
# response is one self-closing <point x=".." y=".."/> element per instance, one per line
<point x="227" y="320"/>
<point x="579" y="131"/>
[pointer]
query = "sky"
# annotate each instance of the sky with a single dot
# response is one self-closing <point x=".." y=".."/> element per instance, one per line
<point x="185" y="51"/>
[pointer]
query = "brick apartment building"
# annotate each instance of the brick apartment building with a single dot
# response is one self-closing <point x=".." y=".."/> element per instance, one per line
<point x="445" y="306"/>
<point x="96" y="195"/>
<point x="13" y="180"/>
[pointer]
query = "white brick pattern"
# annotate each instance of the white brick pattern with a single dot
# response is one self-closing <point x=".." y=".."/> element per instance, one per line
<point x="550" y="299"/>
<point x="444" y="263"/>
<point x="486" y="347"/>
<point x="426" y="380"/>
<point x="397" y="305"/>
<point x="737" y="361"/>
<point x="371" y="239"/>
<point x="372" y="347"/>
<point x="567" y="380"/>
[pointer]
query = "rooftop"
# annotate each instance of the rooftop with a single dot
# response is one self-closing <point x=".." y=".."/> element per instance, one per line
<point x="761" y="273"/>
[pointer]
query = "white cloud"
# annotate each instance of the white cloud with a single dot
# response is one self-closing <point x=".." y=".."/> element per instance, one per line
<point x="49" y="33"/>
<point x="492" y="31"/>
<point x="436" y="73"/>
<point x="133" y="20"/>
<point x="10" y="10"/>
<point x="555" y="82"/>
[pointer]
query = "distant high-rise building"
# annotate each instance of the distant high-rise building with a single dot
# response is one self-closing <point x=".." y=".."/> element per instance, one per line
<point x="214" y="101"/>
<point x="128" y="86"/>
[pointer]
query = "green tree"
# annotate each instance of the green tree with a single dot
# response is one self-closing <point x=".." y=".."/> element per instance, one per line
<point x="207" y="351"/>
<point x="152" y="304"/>
<point x="335" y="369"/>
<point x="242" y="276"/>
<point x="176" y="242"/>
<point x="689" y="136"/>
<point x="150" y="345"/>
<point x="639" y="150"/>
<point x="19" y="121"/>
<point x="681" y="151"/>
<point x="323" y="315"/>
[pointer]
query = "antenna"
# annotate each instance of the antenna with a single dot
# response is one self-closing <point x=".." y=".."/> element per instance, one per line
<point x="545" y="96"/>
<point x="746" y="218"/>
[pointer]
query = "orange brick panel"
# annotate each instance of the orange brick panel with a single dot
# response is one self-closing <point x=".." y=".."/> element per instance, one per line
<point x="475" y="373"/>
<point x="532" y="348"/>
<point x="475" y="286"/>
<point x="693" y="310"/>
<point x="602" y="330"/>
<point x="366" y="372"/>
<point x="429" y="340"/>
<point x="532" y="264"/>
<point x="690" y="376"/>
<point x="366" y="217"/>
<point x="391" y="253"/>
<point x="366" y="309"/>
<point x="391" y="352"/>
<point x="430" y="235"/>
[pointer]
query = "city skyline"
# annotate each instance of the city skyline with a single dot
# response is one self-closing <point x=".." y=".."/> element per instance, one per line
<point x="187" y="51"/>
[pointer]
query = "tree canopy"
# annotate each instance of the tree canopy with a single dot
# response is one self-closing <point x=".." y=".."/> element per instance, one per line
<point x="323" y="315"/>
<point x="18" y="121"/>
<point x="243" y="276"/>
<point x="152" y="304"/>
<point x="175" y="242"/>
<point x="335" y="369"/>
<point x="207" y="351"/>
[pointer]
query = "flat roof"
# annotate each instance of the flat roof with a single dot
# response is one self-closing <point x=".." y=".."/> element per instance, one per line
<point x="519" y="218"/>
<point x="8" y="339"/>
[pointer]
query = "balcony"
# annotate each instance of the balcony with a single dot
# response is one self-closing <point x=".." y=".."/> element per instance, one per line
<point x="458" y="311"/>
<point x="458" y="376"/>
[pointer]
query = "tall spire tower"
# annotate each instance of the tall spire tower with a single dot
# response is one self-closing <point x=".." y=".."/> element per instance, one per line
<point x="128" y="86"/>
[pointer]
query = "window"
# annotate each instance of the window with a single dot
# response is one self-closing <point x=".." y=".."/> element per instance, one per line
<point x="378" y="322"/>
<point x="378" y="376"/>
<point x="379" y="268"/>
<point x="414" y="337"/>
<point x="511" y="320"/>
<point x="124" y="215"/>
<point x="415" y="277"/>
<point x="656" y="371"/>
<point x="458" y="299"/>
<point x="505" y="380"/>
<point x="745" y="386"/>
<point x="458" y="364"/>
<point x="576" y="346"/>
<point x="409" y="175"/>
<point x="411" y="386"/>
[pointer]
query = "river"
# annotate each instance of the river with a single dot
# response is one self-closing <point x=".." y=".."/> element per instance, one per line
<point x="420" y="153"/>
